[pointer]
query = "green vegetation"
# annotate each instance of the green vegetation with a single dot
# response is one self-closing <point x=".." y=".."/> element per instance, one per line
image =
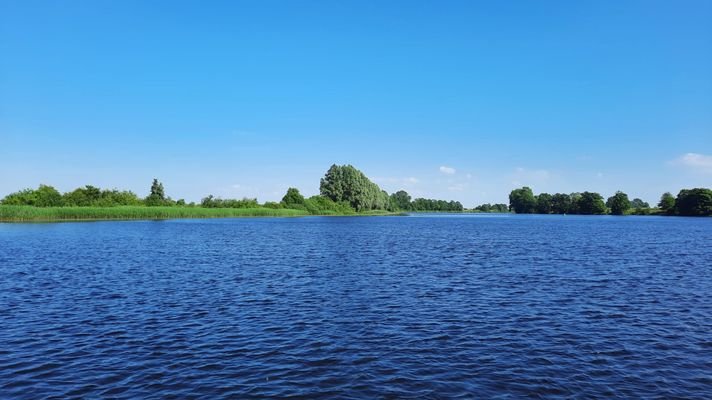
<point x="400" y="200"/>
<point x="93" y="196"/>
<point x="325" y="206"/>
<point x="344" y="183"/>
<point x="344" y="191"/>
<point x="420" y="204"/>
<point x="30" y="213"/>
<point x="522" y="201"/>
<point x="213" y="202"/>
<point x="157" y="196"/>
<point x="293" y="198"/>
<point x="44" y="196"/>
<point x="689" y="202"/>
<point x="618" y="203"/>
<point x="667" y="203"/>
<point x="491" y="208"/>
<point x="694" y="202"/>
<point x="638" y="204"/>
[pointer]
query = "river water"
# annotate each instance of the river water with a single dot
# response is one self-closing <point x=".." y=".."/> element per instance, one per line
<point x="423" y="306"/>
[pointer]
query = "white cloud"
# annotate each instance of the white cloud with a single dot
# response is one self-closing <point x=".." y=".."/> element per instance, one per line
<point x="411" y="180"/>
<point x="695" y="161"/>
<point x="447" y="170"/>
<point x="236" y="186"/>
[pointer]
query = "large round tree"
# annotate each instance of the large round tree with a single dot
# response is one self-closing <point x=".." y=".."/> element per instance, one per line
<point x="618" y="203"/>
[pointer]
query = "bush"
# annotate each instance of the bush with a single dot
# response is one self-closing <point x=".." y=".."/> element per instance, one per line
<point x="273" y="205"/>
<point x="216" y="202"/>
<point x="293" y="198"/>
<point x="43" y="196"/>
<point x="320" y="205"/>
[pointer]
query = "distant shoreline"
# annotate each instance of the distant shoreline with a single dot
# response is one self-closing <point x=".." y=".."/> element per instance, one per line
<point x="20" y="214"/>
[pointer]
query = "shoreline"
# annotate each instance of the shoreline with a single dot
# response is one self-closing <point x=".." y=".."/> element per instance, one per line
<point x="28" y="214"/>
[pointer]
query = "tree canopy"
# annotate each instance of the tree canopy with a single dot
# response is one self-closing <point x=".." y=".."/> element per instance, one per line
<point x="492" y="208"/>
<point x="421" y="204"/>
<point x="293" y="198"/>
<point x="48" y="196"/>
<point x="544" y="203"/>
<point x="157" y="197"/>
<point x="618" y="203"/>
<point x="667" y="202"/>
<point x="561" y="203"/>
<point x="638" y="204"/>
<point x="694" y="202"/>
<point x="400" y="200"/>
<point x="522" y="201"/>
<point x="43" y="196"/>
<point x="346" y="183"/>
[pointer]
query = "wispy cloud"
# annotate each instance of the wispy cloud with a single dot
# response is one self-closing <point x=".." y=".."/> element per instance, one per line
<point x="695" y="161"/>
<point x="448" y="170"/>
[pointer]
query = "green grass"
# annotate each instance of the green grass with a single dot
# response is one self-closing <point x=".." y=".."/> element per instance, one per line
<point x="29" y="213"/>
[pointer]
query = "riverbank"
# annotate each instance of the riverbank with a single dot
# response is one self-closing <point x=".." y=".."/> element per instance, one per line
<point x="50" y="214"/>
<point x="39" y="214"/>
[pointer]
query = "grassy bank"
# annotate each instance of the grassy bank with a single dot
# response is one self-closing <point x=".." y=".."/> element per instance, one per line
<point x="29" y="213"/>
<point x="41" y="214"/>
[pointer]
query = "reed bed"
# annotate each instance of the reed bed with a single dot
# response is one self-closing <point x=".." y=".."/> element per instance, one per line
<point x="29" y="213"/>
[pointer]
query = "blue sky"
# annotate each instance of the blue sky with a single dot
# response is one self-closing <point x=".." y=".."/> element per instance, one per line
<point x="445" y="99"/>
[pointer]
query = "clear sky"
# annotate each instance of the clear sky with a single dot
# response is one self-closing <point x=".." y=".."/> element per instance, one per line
<point x="445" y="99"/>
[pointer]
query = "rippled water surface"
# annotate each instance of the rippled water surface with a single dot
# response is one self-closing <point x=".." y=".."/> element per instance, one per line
<point x="362" y="307"/>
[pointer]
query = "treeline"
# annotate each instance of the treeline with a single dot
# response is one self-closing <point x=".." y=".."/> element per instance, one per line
<point x="401" y="201"/>
<point x="88" y="196"/>
<point x="492" y="208"/>
<point x="343" y="190"/>
<point x="689" y="202"/>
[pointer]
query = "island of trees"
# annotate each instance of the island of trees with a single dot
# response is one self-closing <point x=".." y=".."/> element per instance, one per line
<point x="344" y="190"/>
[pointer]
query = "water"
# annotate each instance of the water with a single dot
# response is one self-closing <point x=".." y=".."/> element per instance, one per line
<point x="365" y="307"/>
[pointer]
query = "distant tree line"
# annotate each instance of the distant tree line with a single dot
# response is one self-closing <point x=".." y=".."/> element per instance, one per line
<point x="346" y="190"/>
<point x="401" y="201"/>
<point x="492" y="208"/>
<point x="343" y="190"/>
<point x="689" y="202"/>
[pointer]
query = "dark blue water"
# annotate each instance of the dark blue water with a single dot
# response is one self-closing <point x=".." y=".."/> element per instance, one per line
<point x="364" y="307"/>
